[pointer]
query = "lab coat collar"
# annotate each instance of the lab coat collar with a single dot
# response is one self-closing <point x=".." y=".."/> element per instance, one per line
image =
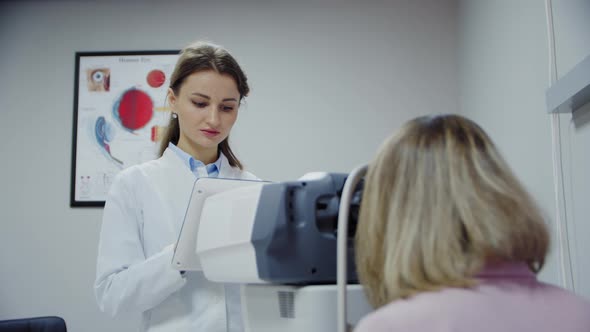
<point x="226" y="170"/>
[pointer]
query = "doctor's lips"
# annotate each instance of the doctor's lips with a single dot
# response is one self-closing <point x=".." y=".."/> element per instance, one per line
<point x="209" y="132"/>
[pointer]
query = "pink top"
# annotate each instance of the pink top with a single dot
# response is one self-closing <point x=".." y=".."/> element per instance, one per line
<point x="508" y="299"/>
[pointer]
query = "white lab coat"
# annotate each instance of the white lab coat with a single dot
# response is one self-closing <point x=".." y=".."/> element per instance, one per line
<point x="141" y="222"/>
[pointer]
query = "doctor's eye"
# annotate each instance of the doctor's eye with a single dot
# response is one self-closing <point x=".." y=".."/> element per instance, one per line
<point x="199" y="104"/>
<point x="98" y="76"/>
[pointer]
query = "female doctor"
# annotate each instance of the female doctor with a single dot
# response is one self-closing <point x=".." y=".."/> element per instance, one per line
<point x="145" y="206"/>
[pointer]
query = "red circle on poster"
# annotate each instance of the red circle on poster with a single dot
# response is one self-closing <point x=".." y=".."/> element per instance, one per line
<point x="135" y="109"/>
<point x="156" y="78"/>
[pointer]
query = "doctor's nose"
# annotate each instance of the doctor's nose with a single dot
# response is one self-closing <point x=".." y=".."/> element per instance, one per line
<point x="213" y="117"/>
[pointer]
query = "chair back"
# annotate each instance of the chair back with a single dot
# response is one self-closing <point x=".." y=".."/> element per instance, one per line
<point x="34" y="324"/>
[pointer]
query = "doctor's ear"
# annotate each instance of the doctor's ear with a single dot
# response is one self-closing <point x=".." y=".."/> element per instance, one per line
<point x="171" y="97"/>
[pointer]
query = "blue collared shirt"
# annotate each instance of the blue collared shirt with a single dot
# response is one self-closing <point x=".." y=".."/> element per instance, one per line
<point x="196" y="166"/>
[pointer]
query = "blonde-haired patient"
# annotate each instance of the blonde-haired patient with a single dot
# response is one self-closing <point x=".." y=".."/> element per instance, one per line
<point x="449" y="240"/>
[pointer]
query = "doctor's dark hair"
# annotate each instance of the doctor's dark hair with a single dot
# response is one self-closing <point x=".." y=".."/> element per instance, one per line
<point x="439" y="203"/>
<point x="201" y="56"/>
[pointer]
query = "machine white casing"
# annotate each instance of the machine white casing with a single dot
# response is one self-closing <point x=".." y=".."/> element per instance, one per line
<point x="223" y="245"/>
<point x="185" y="257"/>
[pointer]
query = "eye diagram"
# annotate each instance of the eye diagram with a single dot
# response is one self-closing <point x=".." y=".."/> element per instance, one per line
<point x="134" y="109"/>
<point x="98" y="79"/>
<point x="157" y="133"/>
<point x="156" y="78"/>
<point x="104" y="134"/>
<point x="85" y="184"/>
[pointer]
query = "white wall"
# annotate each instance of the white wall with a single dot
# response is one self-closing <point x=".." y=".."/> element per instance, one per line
<point x="330" y="80"/>
<point x="572" y="24"/>
<point x="503" y="75"/>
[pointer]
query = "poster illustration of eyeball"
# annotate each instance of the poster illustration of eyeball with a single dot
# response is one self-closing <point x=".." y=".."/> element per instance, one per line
<point x="98" y="79"/>
<point x="120" y="113"/>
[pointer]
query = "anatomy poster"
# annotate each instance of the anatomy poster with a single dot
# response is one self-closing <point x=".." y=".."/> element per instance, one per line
<point x="120" y="112"/>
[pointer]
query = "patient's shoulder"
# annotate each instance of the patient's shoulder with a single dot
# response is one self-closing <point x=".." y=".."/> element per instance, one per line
<point x="414" y="314"/>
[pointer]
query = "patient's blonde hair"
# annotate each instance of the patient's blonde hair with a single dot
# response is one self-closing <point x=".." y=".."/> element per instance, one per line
<point x="439" y="202"/>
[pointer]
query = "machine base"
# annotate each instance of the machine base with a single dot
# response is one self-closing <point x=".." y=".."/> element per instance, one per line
<point x="272" y="308"/>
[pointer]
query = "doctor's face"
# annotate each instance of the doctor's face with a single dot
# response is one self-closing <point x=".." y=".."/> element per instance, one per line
<point x="207" y="108"/>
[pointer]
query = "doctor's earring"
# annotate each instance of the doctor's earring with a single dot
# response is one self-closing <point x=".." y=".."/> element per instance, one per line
<point x="174" y="116"/>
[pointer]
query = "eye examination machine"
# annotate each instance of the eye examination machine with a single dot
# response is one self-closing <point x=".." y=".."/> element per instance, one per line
<point x="288" y="244"/>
